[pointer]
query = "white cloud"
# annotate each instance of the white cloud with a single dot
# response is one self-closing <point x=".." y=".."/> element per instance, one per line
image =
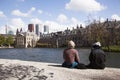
<point x="54" y="26"/>
<point x="18" y="13"/>
<point x="115" y="17"/>
<point x="36" y="21"/>
<point x="62" y="18"/>
<point x="2" y="14"/>
<point x="102" y="19"/>
<point x="83" y="5"/>
<point x="31" y="10"/>
<point x="21" y="14"/>
<point x="40" y="11"/>
<point x="2" y="29"/>
<point x="13" y="25"/>
<point x="75" y="21"/>
<point x="48" y="14"/>
<point x="17" y="23"/>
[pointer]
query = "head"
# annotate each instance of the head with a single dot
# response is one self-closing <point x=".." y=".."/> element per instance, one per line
<point x="97" y="45"/>
<point x="71" y="44"/>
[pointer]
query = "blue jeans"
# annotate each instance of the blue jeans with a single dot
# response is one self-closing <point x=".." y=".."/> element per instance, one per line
<point x="73" y="65"/>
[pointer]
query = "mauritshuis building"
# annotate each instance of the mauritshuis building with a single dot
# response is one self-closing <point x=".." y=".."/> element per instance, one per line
<point x="29" y="38"/>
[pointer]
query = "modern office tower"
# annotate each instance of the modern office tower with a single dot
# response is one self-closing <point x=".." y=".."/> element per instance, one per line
<point x="41" y="28"/>
<point x="6" y="29"/>
<point x="37" y="29"/>
<point x="46" y="28"/>
<point x="31" y="27"/>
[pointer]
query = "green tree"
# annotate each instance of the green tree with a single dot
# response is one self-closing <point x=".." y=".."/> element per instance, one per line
<point x="2" y="40"/>
<point x="9" y="40"/>
<point x="98" y="32"/>
<point x="117" y="36"/>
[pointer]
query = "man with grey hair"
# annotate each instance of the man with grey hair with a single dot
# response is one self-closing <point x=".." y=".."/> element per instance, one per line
<point x="70" y="55"/>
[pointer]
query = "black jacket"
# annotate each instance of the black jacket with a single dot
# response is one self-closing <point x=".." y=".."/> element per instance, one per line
<point x="97" y="58"/>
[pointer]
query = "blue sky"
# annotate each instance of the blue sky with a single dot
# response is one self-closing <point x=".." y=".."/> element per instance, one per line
<point x="57" y="14"/>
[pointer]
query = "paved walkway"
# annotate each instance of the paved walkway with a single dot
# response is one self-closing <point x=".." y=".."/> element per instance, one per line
<point x="28" y="70"/>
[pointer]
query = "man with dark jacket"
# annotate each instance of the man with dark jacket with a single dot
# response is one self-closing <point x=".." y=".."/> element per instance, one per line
<point x="97" y="57"/>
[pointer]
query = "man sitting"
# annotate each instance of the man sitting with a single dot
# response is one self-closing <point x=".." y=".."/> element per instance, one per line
<point x="70" y="55"/>
<point x="97" y="57"/>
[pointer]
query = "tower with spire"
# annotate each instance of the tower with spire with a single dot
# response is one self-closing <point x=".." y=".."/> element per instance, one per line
<point x="17" y="31"/>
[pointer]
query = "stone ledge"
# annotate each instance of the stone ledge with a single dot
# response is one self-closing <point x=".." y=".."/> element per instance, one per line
<point x="17" y="69"/>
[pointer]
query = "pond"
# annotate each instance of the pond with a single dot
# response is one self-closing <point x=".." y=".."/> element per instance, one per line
<point x="53" y="55"/>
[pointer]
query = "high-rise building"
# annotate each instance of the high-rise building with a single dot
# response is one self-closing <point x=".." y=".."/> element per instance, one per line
<point x="41" y="28"/>
<point x="31" y="27"/>
<point x="46" y="28"/>
<point x="6" y="29"/>
<point x="37" y="29"/>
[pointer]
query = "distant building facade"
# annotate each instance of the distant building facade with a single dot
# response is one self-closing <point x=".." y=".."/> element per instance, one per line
<point x="60" y="38"/>
<point x="20" y="40"/>
<point x="26" y="39"/>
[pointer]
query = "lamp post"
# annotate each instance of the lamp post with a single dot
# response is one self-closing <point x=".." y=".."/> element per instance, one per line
<point x="57" y="44"/>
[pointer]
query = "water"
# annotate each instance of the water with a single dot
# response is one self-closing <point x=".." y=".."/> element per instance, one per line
<point x="53" y="55"/>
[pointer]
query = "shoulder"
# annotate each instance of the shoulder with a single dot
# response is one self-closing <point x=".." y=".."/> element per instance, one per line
<point x="66" y="49"/>
<point x="74" y="50"/>
<point x="98" y="51"/>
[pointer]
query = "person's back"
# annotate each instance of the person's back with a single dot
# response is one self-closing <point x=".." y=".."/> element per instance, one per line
<point x="97" y="58"/>
<point x="70" y="55"/>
